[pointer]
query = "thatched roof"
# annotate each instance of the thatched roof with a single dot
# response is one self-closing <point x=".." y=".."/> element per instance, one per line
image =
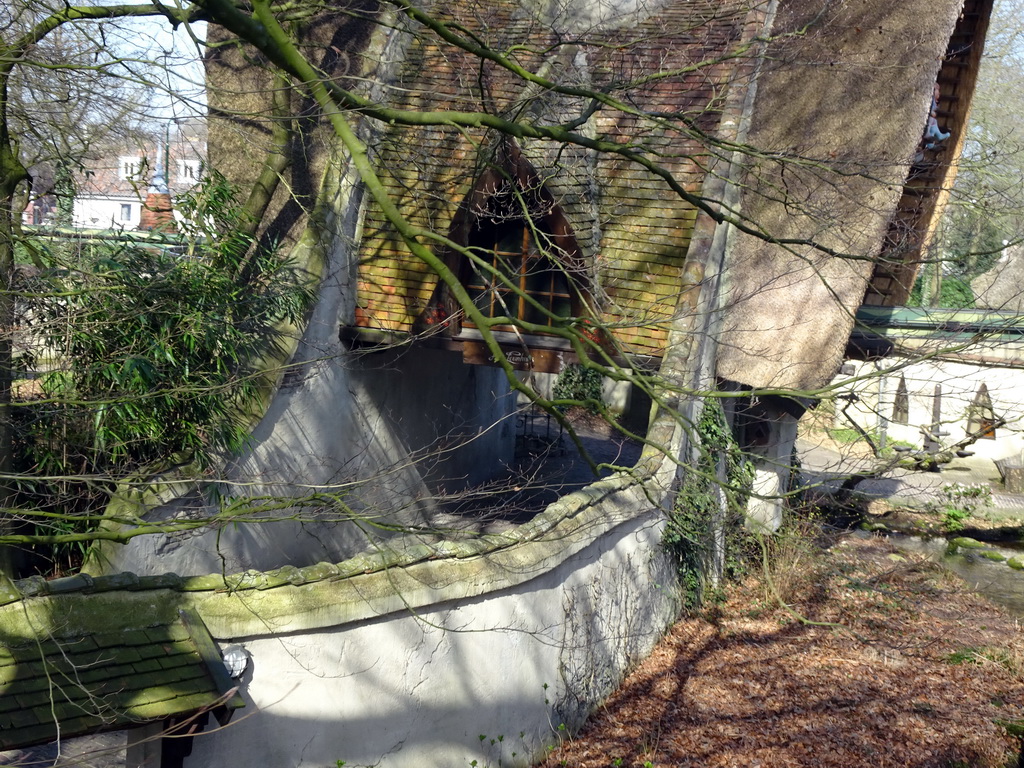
<point x="842" y="98"/>
<point x="843" y="94"/>
<point x="839" y="115"/>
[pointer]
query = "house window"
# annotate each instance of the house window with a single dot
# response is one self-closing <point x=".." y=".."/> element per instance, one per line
<point x="981" y="419"/>
<point x="189" y="171"/>
<point x="129" y="168"/>
<point x="901" y="404"/>
<point x="126" y="211"/>
<point x="510" y="249"/>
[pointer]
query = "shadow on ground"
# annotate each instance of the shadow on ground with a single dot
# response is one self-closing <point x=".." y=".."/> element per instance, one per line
<point x="548" y="465"/>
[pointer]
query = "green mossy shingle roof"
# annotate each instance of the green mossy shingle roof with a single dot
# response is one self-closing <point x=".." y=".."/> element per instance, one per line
<point x="88" y="671"/>
<point x="140" y="644"/>
<point x="632" y="229"/>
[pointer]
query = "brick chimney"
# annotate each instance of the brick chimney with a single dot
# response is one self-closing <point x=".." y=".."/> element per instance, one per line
<point x="157" y="212"/>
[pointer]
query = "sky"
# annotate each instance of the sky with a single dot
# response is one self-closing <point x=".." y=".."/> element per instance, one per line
<point x="176" y="77"/>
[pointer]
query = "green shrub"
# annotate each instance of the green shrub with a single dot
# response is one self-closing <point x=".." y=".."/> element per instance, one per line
<point x="959" y="502"/>
<point x="703" y="501"/>
<point x="157" y="352"/>
<point x="581" y="386"/>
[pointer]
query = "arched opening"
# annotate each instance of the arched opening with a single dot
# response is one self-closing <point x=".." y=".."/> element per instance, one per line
<point x="516" y="253"/>
<point x="514" y="268"/>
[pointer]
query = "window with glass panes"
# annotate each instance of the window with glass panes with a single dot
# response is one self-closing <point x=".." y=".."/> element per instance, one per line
<point x="510" y="248"/>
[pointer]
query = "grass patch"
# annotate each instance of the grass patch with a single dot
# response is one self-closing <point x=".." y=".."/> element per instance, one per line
<point x="845" y="435"/>
<point x="850" y="436"/>
<point x="1008" y="658"/>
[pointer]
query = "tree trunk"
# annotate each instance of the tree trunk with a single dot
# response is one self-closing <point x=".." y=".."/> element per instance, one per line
<point x="12" y="174"/>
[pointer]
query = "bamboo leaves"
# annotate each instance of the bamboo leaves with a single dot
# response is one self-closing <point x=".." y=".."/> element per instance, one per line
<point x="145" y="352"/>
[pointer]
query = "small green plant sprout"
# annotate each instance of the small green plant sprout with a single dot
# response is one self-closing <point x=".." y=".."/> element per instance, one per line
<point x="960" y="501"/>
<point x="493" y="741"/>
<point x="964" y="656"/>
<point x="845" y="435"/>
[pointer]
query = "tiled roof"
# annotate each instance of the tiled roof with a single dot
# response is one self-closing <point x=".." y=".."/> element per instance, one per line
<point x="94" y="670"/>
<point x="632" y="230"/>
<point x="101" y="175"/>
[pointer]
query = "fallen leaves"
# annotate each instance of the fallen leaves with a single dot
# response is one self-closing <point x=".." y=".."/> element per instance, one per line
<point x="758" y="688"/>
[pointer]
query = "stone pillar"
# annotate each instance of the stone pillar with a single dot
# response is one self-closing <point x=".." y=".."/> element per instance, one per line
<point x="767" y="434"/>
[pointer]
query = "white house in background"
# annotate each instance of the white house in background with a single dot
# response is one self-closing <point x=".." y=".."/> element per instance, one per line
<point x="111" y="190"/>
<point x="937" y="373"/>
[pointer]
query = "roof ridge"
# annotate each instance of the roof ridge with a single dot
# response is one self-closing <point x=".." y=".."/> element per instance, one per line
<point x="409" y="552"/>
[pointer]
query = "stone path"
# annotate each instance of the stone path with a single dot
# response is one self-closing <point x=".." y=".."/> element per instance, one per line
<point x="825" y="466"/>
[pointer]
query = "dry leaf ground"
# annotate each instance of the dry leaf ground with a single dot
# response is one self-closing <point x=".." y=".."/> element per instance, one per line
<point x="907" y="668"/>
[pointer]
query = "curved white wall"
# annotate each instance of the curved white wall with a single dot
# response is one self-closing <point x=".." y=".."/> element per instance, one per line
<point x="547" y="631"/>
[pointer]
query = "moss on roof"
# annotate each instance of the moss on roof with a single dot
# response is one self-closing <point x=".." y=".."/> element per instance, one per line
<point x="632" y="230"/>
<point x="68" y="669"/>
<point x="324" y="594"/>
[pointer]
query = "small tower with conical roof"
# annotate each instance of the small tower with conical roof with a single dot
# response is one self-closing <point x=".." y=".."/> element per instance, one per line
<point x="157" y="211"/>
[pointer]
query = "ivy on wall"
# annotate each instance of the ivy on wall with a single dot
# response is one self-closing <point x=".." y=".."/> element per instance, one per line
<point x="708" y="507"/>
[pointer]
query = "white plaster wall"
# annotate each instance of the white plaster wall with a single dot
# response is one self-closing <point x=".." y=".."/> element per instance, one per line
<point x="104" y="213"/>
<point x="386" y="430"/>
<point x="369" y="426"/>
<point x="461" y="416"/>
<point x="773" y="465"/>
<point x="960" y="383"/>
<point x="414" y="689"/>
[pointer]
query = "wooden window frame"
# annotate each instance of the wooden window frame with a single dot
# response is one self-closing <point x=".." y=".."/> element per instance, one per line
<point x="510" y="191"/>
<point x="518" y="266"/>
